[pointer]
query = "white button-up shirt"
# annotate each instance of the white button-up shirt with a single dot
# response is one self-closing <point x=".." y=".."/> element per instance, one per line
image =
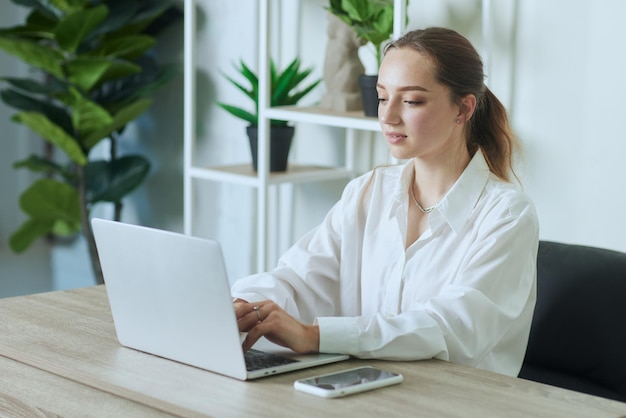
<point x="464" y="292"/>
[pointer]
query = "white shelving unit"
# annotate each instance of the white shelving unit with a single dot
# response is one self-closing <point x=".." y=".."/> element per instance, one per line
<point x="243" y="174"/>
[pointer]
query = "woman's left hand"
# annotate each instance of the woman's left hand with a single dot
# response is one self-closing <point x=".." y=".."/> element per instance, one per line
<point x="266" y="319"/>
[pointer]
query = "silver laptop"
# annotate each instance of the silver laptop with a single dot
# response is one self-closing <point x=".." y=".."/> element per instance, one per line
<point x="169" y="296"/>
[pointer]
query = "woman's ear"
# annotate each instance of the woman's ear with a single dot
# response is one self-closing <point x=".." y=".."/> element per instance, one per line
<point x="467" y="105"/>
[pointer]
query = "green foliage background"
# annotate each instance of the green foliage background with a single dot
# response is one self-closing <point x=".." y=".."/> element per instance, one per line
<point x="92" y="73"/>
<point x="372" y="20"/>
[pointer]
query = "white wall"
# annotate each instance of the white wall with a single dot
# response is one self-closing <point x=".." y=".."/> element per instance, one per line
<point x="568" y="111"/>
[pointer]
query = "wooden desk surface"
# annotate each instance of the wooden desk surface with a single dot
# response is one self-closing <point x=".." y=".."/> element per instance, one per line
<point x="29" y="392"/>
<point x="70" y="334"/>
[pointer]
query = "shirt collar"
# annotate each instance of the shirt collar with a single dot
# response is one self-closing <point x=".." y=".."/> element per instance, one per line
<point x="458" y="203"/>
<point x="403" y="184"/>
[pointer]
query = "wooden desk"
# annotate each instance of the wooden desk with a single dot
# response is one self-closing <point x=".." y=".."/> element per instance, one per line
<point x="67" y="341"/>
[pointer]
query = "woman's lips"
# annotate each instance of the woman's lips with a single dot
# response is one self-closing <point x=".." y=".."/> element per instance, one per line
<point x="394" y="137"/>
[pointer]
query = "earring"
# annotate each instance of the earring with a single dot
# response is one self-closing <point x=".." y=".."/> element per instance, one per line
<point x="458" y="121"/>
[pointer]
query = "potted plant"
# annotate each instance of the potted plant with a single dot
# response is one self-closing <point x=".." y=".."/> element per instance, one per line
<point x="283" y="85"/>
<point x="93" y="74"/>
<point x="372" y="20"/>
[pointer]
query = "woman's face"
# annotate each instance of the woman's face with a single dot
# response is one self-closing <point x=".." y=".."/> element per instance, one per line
<point x="416" y="113"/>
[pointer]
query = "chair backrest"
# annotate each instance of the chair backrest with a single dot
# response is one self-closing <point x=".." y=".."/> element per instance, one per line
<point x="578" y="334"/>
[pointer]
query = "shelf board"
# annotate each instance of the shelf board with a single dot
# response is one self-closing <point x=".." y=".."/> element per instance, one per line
<point x="321" y="116"/>
<point x="244" y="174"/>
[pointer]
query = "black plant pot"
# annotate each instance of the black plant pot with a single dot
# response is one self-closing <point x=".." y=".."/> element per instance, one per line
<point x="280" y="144"/>
<point x="369" y="94"/>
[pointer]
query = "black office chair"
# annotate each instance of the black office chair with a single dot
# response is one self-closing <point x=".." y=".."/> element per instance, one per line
<point x="578" y="335"/>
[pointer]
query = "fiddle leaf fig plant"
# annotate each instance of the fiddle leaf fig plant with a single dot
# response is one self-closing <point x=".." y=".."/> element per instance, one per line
<point x="92" y="74"/>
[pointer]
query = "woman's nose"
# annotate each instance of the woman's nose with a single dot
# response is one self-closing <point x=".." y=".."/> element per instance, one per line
<point x="387" y="113"/>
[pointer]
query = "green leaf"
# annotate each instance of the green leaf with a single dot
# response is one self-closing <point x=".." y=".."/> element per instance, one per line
<point x="120" y="69"/>
<point x="39" y="164"/>
<point x="40" y="56"/>
<point x="66" y="5"/>
<point x="50" y="88"/>
<point x="23" y="102"/>
<point x="155" y="9"/>
<point x="41" y="22"/>
<point x="28" y="232"/>
<point x="239" y="113"/>
<point x="53" y="134"/>
<point x="51" y="199"/>
<point x="293" y="99"/>
<point x="357" y="10"/>
<point x="285" y="82"/>
<point x="75" y="26"/>
<point x="44" y="6"/>
<point x="87" y="72"/>
<point x="129" y="47"/>
<point x="110" y="181"/>
<point x="147" y="82"/>
<point x="250" y="76"/>
<point x="115" y="94"/>
<point x="64" y="228"/>
<point x="87" y="116"/>
<point x="52" y="206"/>
<point x="27" y="33"/>
<point x="384" y="23"/>
<point x="121" y="13"/>
<point x="250" y="92"/>
<point x="147" y="16"/>
<point x="120" y="119"/>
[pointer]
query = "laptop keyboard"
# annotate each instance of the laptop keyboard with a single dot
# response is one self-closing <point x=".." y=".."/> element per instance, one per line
<point x="256" y="360"/>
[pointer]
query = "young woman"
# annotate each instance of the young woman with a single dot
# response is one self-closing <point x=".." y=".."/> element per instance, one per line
<point x="434" y="258"/>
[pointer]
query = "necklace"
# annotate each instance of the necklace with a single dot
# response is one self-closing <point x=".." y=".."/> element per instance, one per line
<point x="420" y="207"/>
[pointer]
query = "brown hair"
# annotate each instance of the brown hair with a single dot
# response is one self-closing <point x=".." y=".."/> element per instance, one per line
<point x="458" y="66"/>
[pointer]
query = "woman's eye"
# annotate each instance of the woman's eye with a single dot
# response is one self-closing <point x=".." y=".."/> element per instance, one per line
<point x="414" y="102"/>
<point x="381" y="100"/>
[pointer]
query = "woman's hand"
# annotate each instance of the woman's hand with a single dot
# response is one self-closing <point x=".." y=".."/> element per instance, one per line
<point x="271" y="321"/>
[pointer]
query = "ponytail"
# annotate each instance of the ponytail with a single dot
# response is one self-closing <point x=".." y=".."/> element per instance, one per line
<point x="489" y="130"/>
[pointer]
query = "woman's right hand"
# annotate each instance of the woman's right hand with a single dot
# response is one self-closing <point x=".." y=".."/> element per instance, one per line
<point x="266" y="319"/>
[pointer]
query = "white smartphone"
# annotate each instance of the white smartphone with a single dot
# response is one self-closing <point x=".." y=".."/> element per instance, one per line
<point x="347" y="382"/>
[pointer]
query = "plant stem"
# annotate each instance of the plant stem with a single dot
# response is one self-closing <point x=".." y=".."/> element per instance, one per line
<point x="86" y="225"/>
<point x="117" y="215"/>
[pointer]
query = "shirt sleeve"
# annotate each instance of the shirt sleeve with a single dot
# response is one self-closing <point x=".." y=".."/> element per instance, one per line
<point x="306" y="280"/>
<point x="304" y="283"/>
